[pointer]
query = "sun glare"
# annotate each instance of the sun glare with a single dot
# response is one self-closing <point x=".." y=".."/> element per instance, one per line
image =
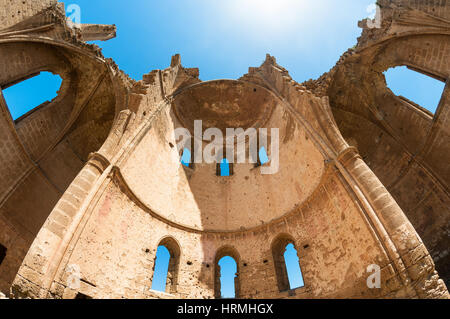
<point x="276" y="15"/>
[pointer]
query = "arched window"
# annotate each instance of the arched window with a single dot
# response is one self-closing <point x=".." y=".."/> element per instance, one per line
<point x="28" y="94"/>
<point x="226" y="283"/>
<point x="224" y="168"/>
<point x="286" y="261"/>
<point x="165" y="273"/>
<point x="417" y="87"/>
<point x="187" y="154"/>
<point x="228" y="270"/>
<point x="263" y="158"/>
<point x="160" y="273"/>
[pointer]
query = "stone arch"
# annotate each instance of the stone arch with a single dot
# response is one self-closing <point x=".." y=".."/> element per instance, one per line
<point x="174" y="262"/>
<point x="421" y="52"/>
<point x="390" y="130"/>
<point x="224" y="252"/>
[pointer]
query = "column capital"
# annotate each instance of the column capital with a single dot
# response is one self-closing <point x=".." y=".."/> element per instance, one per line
<point x="348" y="154"/>
<point x="98" y="161"/>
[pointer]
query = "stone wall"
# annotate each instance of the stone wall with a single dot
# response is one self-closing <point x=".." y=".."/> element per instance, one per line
<point x="125" y="226"/>
<point x="44" y="150"/>
<point x="391" y="131"/>
<point x="83" y="209"/>
<point x="14" y="11"/>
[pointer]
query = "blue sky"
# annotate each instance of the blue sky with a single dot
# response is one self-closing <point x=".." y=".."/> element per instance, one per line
<point x="228" y="270"/>
<point x="415" y="86"/>
<point x="28" y="94"/>
<point x="161" y="267"/>
<point x="223" y="38"/>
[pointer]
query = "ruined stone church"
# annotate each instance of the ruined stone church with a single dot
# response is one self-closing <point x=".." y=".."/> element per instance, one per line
<point x="91" y="183"/>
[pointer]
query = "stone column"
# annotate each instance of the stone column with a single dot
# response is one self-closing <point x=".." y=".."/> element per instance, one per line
<point x="39" y="268"/>
<point x="414" y="272"/>
<point x="411" y="258"/>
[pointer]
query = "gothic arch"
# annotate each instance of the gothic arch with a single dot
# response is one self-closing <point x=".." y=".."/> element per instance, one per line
<point x="224" y="252"/>
<point x="174" y="262"/>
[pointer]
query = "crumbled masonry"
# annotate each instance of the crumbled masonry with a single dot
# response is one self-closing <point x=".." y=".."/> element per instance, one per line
<point x="91" y="183"/>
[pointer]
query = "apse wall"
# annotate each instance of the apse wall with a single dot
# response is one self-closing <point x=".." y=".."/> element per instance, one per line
<point x="199" y="199"/>
<point x="390" y="131"/>
<point x="115" y="246"/>
<point x="16" y="11"/>
<point x="132" y="194"/>
<point x="122" y="239"/>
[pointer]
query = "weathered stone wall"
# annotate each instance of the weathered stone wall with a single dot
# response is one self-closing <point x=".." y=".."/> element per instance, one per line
<point x="17" y="242"/>
<point x="198" y="199"/>
<point x="122" y="231"/>
<point x="123" y="238"/>
<point x="43" y="151"/>
<point x="13" y="11"/>
<point x="333" y="229"/>
<point x="106" y="187"/>
<point x="390" y="131"/>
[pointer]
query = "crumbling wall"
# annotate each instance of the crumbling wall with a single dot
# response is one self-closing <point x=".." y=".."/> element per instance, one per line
<point x="123" y="239"/>
<point x="121" y="230"/>
<point x="339" y="230"/>
<point x="13" y="11"/>
<point x="43" y="151"/>
<point x="403" y="143"/>
<point x="101" y="234"/>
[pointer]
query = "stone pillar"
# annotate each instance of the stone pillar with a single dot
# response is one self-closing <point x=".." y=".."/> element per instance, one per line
<point x="412" y="260"/>
<point x="39" y="268"/>
<point x="414" y="271"/>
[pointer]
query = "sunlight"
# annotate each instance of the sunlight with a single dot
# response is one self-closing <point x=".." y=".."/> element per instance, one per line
<point x="276" y="15"/>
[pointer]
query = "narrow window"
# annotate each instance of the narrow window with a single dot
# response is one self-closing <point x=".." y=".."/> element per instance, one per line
<point x="2" y="253"/>
<point x="186" y="158"/>
<point x="293" y="267"/>
<point x="165" y="275"/>
<point x="287" y="267"/>
<point x="25" y="96"/>
<point x="416" y="87"/>
<point x="263" y="158"/>
<point x="228" y="270"/>
<point x="187" y="154"/>
<point x="224" y="168"/>
<point x="226" y="273"/>
<point x="159" y="282"/>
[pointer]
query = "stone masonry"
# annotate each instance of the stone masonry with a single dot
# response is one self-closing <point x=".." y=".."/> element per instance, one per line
<point x="91" y="182"/>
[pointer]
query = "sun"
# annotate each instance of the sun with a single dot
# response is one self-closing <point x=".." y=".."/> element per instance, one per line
<point x="276" y="15"/>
